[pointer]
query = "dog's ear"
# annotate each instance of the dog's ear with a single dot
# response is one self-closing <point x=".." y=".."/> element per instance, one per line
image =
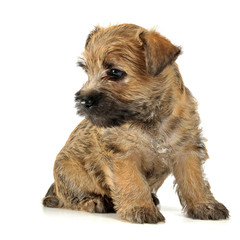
<point x="159" y="52"/>
<point x="90" y="35"/>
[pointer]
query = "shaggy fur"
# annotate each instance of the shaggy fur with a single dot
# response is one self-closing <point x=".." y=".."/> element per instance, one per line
<point x="141" y="124"/>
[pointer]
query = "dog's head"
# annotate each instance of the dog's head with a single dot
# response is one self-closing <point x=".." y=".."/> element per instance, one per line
<point x="123" y="64"/>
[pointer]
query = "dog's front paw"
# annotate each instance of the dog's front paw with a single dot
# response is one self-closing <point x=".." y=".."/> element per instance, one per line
<point x="209" y="211"/>
<point x="141" y="215"/>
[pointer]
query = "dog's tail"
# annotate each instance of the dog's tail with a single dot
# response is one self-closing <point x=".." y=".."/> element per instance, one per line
<point x="50" y="199"/>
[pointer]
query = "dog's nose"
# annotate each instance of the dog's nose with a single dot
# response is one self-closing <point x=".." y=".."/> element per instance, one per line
<point x="87" y="102"/>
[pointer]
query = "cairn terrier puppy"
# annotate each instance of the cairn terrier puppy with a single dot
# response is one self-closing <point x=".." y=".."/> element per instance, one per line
<point x="141" y="124"/>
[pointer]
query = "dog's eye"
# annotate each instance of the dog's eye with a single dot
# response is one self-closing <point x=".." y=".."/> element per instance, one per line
<point x="116" y="74"/>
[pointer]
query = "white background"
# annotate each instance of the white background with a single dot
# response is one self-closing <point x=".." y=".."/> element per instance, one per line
<point x="39" y="45"/>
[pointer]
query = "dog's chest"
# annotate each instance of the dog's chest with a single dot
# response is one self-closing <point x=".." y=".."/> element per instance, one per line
<point x="151" y="147"/>
<point x="158" y="145"/>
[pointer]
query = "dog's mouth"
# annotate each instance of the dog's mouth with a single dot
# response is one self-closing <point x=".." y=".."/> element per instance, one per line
<point x="104" y="110"/>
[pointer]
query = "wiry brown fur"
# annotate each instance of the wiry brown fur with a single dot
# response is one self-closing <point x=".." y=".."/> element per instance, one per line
<point x="137" y="131"/>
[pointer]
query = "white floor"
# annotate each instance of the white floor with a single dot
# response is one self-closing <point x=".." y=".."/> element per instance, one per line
<point x="28" y="219"/>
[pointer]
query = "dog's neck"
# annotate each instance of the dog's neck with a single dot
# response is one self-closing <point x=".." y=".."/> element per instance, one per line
<point x="168" y="91"/>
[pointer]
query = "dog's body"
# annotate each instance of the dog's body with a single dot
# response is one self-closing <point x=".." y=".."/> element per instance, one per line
<point x="141" y="125"/>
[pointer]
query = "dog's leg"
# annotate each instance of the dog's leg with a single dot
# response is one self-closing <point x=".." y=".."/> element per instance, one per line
<point x="75" y="189"/>
<point x="51" y="199"/>
<point x="193" y="191"/>
<point x="131" y="194"/>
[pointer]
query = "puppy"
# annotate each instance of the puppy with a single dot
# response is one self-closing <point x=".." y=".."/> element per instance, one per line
<point x="141" y="124"/>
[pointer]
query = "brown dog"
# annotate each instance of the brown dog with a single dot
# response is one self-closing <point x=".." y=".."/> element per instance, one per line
<point x="141" y="125"/>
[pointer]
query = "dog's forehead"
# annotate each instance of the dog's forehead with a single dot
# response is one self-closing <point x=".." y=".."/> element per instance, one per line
<point x="111" y="33"/>
<point x="101" y="39"/>
<point x="116" y="43"/>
